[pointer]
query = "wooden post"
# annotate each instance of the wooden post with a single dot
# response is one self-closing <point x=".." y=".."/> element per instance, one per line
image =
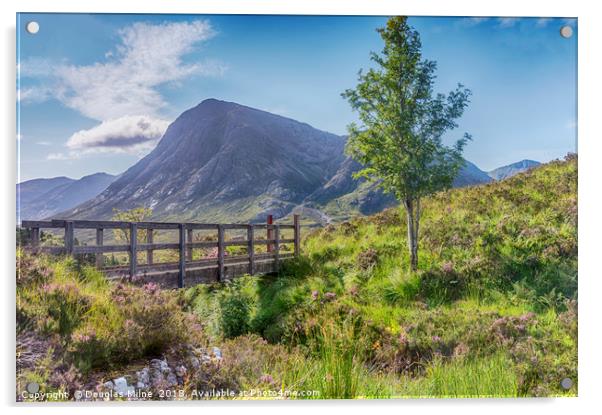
<point x="182" y="272"/>
<point x="270" y="234"/>
<point x="35" y="238"/>
<point x="189" y="237"/>
<point x="277" y="247"/>
<point x="251" y="248"/>
<point x="99" y="242"/>
<point x="220" y="253"/>
<point x="69" y="237"/>
<point x="297" y="236"/>
<point x="149" y="252"/>
<point x="133" y="249"/>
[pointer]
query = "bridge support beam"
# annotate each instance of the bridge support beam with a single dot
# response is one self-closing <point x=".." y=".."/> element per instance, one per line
<point x="220" y="253"/>
<point x="133" y="249"/>
<point x="99" y="242"/>
<point x="182" y="270"/>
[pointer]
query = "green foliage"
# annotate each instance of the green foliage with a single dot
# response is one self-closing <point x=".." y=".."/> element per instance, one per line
<point x="492" y="313"/>
<point x="491" y="377"/>
<point x="139" y="214"/>
<point x="93" y="322"/>
<point x="399" y="140"/>
<point x="235" y="309"/>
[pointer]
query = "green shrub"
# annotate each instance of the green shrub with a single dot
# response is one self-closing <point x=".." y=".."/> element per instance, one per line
<point x="235" y="306"/>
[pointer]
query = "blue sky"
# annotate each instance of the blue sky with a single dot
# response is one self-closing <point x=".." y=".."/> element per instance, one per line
<point x="97" y="91"/>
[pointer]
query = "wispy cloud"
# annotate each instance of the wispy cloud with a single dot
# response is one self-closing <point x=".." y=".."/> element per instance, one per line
<point x="543" y="21"/>
<point x="122" y="91"/>
<point x="127" y="82"/>
<point x="507" y="21"/>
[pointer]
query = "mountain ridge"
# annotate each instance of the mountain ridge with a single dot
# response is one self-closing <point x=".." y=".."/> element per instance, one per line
<point x="223" y="161"/>
<point x="47" y="197"/>
<point x="512" y="169"/>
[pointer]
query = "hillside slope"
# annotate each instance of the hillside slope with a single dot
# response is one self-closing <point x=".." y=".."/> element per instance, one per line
<point x="513" y="169"/>
<point x="221" y="161"/>
<point x="43" y="198"/>
<point x="492" y="311"/>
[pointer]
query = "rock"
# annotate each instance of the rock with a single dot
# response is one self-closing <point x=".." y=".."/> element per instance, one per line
<point x="160" y="374"/>
<point x="181" y="371"/>
<point x="217" y="353"/>
<point x="195" y="362"/>
<point x="109" y="385"/>
<point x="143" y="377"/>
<point x="121" y="385"/>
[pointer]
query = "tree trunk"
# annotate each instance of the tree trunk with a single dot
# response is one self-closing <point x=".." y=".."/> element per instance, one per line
<point x="413" y="221"/>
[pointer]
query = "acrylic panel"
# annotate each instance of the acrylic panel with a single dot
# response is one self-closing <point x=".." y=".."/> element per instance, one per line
<point x="295" y="207"/>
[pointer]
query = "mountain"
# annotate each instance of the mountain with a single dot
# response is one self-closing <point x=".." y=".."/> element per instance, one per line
<point x="510" y="170"/>
<point x="343" y="195"/>
<point x="221" y="161"/>
<point x="42" y="198"/>
<point x="31" y="189"/>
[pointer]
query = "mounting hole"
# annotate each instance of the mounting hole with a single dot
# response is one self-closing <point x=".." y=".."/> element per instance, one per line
<point x="32" y="27"/>
<point x="566" y="383"/>
<point x="566" y="31"/>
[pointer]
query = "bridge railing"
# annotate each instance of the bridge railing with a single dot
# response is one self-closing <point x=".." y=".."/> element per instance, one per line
<point x="184" y="246"/>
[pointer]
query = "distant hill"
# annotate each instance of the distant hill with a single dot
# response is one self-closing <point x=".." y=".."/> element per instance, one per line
<point x="221" y="161"/>
<point x="41" y="198"/>
<point x="510" y="170"/>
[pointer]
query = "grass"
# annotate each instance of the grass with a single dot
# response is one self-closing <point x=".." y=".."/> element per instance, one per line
<point x="491" y="312"/>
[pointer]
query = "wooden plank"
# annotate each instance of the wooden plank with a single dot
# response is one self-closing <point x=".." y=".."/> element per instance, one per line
<point x="52" y="250"/>
<point x="149" y="241"/>
<point x="158" y="225"/>
<point x="93" y="249"/>
<point x="133" y="249"/>
<point x="202" y="226"/>
<point x="69" y="237"/>
<point x="220" y="252"/>
<point x="99" y="242"/>
<point x="264" y="225"/>
<point x="158" y="246"/>
<point x="35" y="238"/>
<point x="286" y="226"/>
<point x="39" y="224"/>
<point x="297" y="235"/>
<point x="189" y="238"/>
<point x="270" y="234"/>
<point x="202" y="244"/>
<point x="264" y="241"/>
<point x="182" y="268"/>
<point x="277" y="248"/>
<point x="235" y="243"/>
<point x="105" y="224"/>
<point x="251" y="248"/>
<point x="235" y="226"/>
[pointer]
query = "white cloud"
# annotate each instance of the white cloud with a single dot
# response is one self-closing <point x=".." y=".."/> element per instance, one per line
<point x="543" y="21"/>
<point x="58" y="156"/>
<point x="129" y="134"/>
<point x="507" y="21"/>
<point x="478" y="20"/>
<point x="124" y="85"/>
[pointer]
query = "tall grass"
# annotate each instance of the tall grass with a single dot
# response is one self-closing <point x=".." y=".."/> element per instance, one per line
<point x="493" y="376"/>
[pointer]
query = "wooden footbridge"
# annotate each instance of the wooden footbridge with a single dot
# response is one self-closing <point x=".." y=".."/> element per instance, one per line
<point x="263" y="245"/>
